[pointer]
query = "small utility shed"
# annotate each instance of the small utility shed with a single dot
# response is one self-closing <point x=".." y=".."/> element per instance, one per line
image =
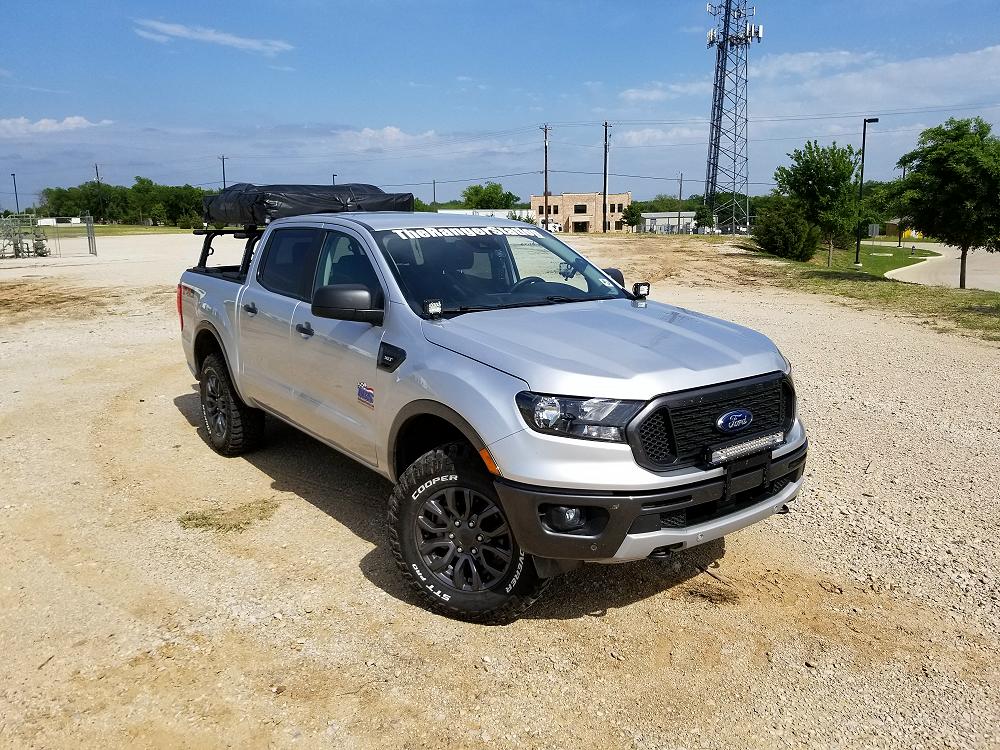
<point x="668" y="222"/>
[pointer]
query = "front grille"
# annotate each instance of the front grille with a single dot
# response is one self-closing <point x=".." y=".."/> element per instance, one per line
<point x="676" y="430"/>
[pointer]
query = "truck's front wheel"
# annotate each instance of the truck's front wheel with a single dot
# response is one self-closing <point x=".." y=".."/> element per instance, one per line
<point x="231" y="427"/>
<point x="451" y="539"/>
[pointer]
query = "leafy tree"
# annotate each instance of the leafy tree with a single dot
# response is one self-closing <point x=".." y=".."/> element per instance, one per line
<point x="783" y="229"/>
<point x="490" y="195"/>
<point x="703" y="216"/>
<point x="419" y="205"/>
<point x="952" y="186"/>
<point x="821" y="179"/>
<point x="632" y="215"/>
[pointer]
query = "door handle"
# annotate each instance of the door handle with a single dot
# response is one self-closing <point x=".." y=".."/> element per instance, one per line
<point x="305" y="329"/>
<point x="250" y="308"/>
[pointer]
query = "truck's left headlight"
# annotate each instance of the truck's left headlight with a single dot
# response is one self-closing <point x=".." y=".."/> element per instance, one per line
<point x="586" y="418"/>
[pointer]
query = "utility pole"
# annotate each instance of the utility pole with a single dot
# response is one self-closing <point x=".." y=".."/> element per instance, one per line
<point x="680" y="202"/>
<point x="604" y="211"/>
<point x="334" y="178"/>
<point x="861" y="187"/>
<point x="545" y="131"/>
<point x="17" y="205"/>
<point x="434" y="192"/>
<point x="100" y="193"/>
<point x="223" y="160"/>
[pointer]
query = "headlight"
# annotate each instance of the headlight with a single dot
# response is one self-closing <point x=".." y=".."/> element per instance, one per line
<point x="587" y="418"/>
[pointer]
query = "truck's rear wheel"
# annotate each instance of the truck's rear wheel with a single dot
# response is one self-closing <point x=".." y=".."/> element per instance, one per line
<point x="231" y="427"/>
<point x="451" y="539"/>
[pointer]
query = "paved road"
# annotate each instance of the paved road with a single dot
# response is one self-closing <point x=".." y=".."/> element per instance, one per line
<point x="983" y="270"/>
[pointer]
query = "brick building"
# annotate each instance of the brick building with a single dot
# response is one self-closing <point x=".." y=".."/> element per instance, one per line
<point x="582" y="212"/>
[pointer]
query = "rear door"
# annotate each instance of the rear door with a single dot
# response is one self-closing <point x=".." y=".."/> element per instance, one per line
<point x="283" y="280"/>
<point x="336" y="363"/>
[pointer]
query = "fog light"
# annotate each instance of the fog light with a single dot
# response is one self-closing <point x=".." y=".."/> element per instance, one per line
<point x="564" y="518"/>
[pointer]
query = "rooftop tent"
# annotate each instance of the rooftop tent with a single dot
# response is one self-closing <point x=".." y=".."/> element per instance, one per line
<point x="244" y="203"/>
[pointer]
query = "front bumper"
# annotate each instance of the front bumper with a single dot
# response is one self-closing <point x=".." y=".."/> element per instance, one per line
<point x="633" y="525"/>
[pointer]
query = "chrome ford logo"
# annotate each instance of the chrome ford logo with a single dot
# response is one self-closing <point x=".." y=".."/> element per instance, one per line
<point x="734" y="421"/>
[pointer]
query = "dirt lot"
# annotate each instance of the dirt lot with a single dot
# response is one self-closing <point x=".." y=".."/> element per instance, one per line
<point x="154" y="594"/>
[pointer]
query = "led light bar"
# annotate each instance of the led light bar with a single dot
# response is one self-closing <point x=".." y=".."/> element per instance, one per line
<point x="756" y="445"/>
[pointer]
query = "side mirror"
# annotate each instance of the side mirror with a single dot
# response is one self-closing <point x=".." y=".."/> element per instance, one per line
<point x="346" y="302"/>
<point x="641" y="289"/>
<point x="616" y="274"/>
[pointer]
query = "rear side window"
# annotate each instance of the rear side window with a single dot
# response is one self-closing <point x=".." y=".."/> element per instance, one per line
<point x="289" y="263"/>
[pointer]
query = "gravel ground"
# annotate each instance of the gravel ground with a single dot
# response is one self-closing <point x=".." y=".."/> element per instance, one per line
<point x="868" y="617"/>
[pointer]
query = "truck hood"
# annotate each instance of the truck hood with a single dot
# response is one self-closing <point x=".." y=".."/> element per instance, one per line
<point x="608" y="348"/>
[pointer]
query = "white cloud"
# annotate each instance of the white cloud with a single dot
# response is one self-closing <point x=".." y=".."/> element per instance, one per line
<point x="961" y="77"/>
<point x="660" y="136"/>
<point x="378" y="139"/>
<point x="162" y="39"/>
<point x="463" y="79"/>
<point x="801" y="64"/>
<point x="655" y="91"/>
<point x="4" y="73"/>
<point x="161" y="31"/>
<point x="282" y="68"/>
<point x="14" y="127"/>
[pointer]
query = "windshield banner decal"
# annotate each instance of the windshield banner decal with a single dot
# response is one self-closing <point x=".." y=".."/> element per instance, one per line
<point x="415" y="234"/>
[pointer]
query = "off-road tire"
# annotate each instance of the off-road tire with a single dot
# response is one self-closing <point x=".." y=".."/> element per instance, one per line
<point x="504" y="599"/>
<point x="230" y="427"/>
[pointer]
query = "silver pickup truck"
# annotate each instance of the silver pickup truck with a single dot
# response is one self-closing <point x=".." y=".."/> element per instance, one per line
<point x="533" y="413"/>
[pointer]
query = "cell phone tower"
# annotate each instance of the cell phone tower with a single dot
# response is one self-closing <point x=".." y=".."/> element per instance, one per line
<point x="728" y="169"/>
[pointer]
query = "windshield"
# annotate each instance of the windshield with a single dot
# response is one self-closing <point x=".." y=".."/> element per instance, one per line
<point x="487" y="268"/>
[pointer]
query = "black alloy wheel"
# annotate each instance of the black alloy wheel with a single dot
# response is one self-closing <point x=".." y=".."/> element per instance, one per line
<point x="464" y="539"/>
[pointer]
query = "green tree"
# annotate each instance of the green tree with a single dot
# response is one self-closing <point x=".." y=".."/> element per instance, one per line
<point x="490" y="195"/>
<point x="821" y="179"/>
<point x="632" y="215"/>
<point x="783" y="229"/>
<point x="952" y="186"/>
<point x="703" y="216"/>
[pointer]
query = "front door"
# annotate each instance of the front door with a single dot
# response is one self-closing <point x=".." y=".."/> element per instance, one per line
<point x="282" y="282"/>
<point x="336" y="359"/>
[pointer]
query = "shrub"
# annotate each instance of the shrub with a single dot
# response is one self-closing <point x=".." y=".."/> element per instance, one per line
<point x="782" y="230"/>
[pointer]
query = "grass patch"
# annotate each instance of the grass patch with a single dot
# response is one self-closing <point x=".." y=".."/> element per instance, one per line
<point x="876" y="260"/>
<point x="70" y="231"/>
<point x="972" y="311"/>
<point x="239" y="518"/>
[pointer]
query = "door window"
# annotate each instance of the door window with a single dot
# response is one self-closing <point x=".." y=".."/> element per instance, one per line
<point x="289" y="262"/>
<point x="342" y="260"/>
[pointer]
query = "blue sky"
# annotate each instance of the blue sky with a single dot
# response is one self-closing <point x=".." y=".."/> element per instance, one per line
<point x="392" y="92"/>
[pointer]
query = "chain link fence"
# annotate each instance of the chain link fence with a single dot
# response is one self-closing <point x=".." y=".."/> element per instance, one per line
<point x="28" y="236"/>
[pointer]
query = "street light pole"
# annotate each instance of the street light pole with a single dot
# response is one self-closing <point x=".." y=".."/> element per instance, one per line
<point x="17" y="205"/>
<point x="861" y="187"/>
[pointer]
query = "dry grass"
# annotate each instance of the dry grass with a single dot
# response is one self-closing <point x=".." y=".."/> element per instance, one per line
<point x="237" y="519"/>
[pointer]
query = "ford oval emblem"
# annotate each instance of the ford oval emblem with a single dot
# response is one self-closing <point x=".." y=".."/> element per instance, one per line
<point x="734" y="421"/>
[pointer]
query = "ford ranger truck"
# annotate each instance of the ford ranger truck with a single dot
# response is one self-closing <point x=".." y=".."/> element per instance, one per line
<point x="532" y="412"/>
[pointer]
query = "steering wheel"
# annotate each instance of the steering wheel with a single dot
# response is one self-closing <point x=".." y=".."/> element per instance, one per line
<point x="526" y="282"/>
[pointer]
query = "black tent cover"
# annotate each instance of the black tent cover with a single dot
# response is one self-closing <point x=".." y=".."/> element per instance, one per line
<point x="243" y="203"/>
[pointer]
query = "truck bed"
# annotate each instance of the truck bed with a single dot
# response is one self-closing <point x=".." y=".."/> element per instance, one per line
<point x="226" y="273"/>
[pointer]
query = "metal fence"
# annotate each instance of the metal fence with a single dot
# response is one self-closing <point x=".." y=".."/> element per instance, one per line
<point x="27" y="236"/>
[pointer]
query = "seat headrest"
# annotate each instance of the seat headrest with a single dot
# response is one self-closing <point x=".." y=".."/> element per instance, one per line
<point x="400" y="250"/>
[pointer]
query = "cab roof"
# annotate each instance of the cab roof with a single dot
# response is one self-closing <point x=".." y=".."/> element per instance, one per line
<point x="381" y="220"/>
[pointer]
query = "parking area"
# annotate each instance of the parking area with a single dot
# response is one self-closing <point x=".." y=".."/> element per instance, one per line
<point x="155" y="594"/>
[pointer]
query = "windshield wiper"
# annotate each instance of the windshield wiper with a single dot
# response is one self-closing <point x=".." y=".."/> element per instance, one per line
<point x="552" y="299"/>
